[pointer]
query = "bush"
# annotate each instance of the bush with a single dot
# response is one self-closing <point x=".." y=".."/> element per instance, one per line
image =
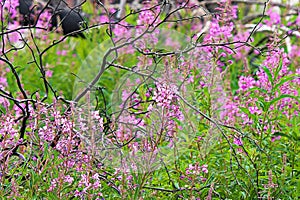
<point x="167" y="102"/>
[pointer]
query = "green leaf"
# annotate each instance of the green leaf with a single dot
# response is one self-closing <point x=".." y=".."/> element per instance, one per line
<point x="257" y="88"/>
<point x="245" y="110"/>
<point x="262" y="103"/>
<point x="281" y="134"/>
<point x="269" y="74"/>
<point x="282" y="97"/>
<point x="278" y="69"/>
<point x="284" y="80"/>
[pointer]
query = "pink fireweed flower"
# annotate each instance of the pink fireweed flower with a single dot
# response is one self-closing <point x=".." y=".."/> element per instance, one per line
<point x="9" y="7"/>
<point x="246" y="83"/>
<point x="165" y="94"/>
<point x="146" y="17"/>
<point x="254" y="110"/>
<point x="295" y="50"/>
<point x="238" y="141"/>
<point x="49" y="73"/>
<point x="53" y="185"/>
<point x="122" y="31"/>
<point x="15" y="36"/>
<point x="46" y="133"/>
<point x="96" y="184"/>
<point x="275" y="138"/>
<point x="199" y="139"/>
<point x="69" y="179"/>
<point x="95" y="176"/>
<point x="62" y="53"/>
<point x="3" y="83"/>
<point x="190" y="169"/>
<point x="227" y="11"/>
<point x="44" y="21"/>
<point x="246" y="119"/>
<point x="275" y="18"/>
<point x="96" y="116"/>
<point x="216" y="30"/>
<point x="103" y="19"/>
<point x="166" y="97"/>
<point x="84" y="181"/>
<point x="8" y="130"/>
<point x="229" y="112"/>
<point x="204" y="168"/>
<point x="196" y="169"/>
<point x="263" y="79"/>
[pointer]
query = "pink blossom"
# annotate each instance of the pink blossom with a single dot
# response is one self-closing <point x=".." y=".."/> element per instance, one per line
<point x="53" y="185"/>
<point x="103" y="19"/>
<point x="238" y="141"/>
<point x="246" y="83"/>
<point x="196" y="169"/>
<point x="96" y="184"/>
<point x="3" y="83"/>
<point x="69" y="179"/>
<point x="275" y="138"/>
<point x="44" y="20"/>
<point x="121" y="30"/>
<point x="275" y="18"/>
<point x="84" y="181"/>
<point x="254" y="110"/>
<point x="204" y="169"/>
<point x="11" y="7"/>
<point x="49" y="73"/>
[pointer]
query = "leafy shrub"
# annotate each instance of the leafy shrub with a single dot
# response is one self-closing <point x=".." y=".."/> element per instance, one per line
<point x="160" y="104"/>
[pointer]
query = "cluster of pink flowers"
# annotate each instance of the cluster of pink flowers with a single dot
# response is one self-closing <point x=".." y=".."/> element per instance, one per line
<point x="275" y="18"/>
<point x="8" y="125"/>
<point x="9" y="7"/>
<point x="51" y="127"/>
<point x="251" y="89"/>
<point x="227" y="10"/>
<point x="8" y="131"/>
<point x="146" y="17"/>
<point x="166" y="96"/>
<point x="95" y="123"/>
<point x="147" y="20"/>
<point x="69" y="138"/>
<point x="56" y="181"/>
<point x="196" y="169"/>
<point x="9" y="10"/>
<point x="122" y="31"/>
<point x="88" y="182"/>
<point x="242" y="50"/>
<point x="238" y="141"/>
<point x="294" y="54"/>
<point x="246" y="83"/>
<point x="222" y="26"/>
<point x="44" y="20"/>
<point x="124" y="174"/>
<point x="130" y="122"/>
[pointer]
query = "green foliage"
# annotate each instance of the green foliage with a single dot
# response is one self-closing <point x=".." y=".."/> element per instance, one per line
<point x="261" y="167"/>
